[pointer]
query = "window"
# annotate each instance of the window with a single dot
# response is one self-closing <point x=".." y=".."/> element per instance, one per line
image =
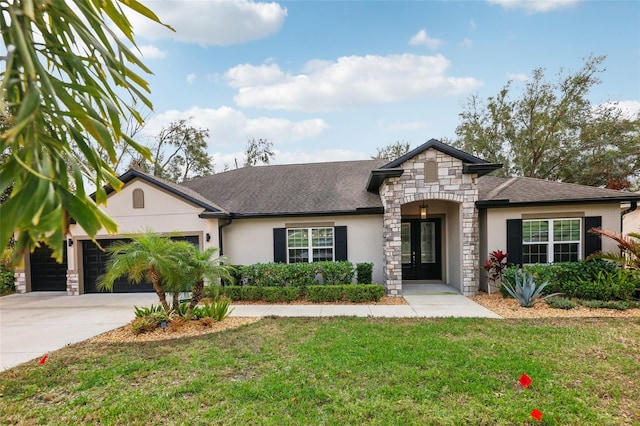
<point x="310" y="244"/>
<point x="551" y="240"/>
<point x="138" y="198"/>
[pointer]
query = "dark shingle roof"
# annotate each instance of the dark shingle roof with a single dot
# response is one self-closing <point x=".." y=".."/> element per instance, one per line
<point x="325" y="188"/>
<point x="496" y="191"/>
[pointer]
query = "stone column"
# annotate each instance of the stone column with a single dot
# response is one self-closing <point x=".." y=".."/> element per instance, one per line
<point x="73" y="284"/>
<point x="20" y="282"/>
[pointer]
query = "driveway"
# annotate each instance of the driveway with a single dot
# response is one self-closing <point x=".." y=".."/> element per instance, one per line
<point x="34" y="324"/>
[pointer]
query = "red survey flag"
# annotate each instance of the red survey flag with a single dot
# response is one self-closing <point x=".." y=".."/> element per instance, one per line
<point x="525" y="380"/>
<point x="43" y="360"/>
<point x="536" y="414"/>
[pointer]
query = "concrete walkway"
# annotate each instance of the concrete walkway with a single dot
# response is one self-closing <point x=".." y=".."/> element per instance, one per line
<point x="34" y="324"/>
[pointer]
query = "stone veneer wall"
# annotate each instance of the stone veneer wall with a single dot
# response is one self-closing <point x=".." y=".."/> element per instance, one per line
<point x="20" y="282"/>
<point x="452" y="186"/>
<point x="73" y="284"/>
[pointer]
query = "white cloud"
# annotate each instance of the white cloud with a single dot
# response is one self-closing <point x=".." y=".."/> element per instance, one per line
<point x="148" y="51"/>
<point x="468" y="43"/>
<point x="631" y="109"/>
<point x="517" y="76"/>
<point x="348" y="82"/>
<point x="421" y="38"/>
<point x="472" y="25"/>
<point x="536" y="6"/>
<point x="228" y="126"/>
<point x="191" y="78"/>
<point x="213" y="22"/>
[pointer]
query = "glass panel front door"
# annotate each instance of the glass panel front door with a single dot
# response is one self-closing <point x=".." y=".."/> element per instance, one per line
<point x="421" y="249"/>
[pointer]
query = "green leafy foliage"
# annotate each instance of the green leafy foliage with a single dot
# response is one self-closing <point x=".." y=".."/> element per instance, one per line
<point x="218" y="310"/>
<point x="67" y="73"/>
<point x="296" y="274"/>
<point x="561" y="303"/>
<point x="592" y="279"/>
<point x="147" y="311"/>
<point x="280" y="294"/>
<point x="526" y="291"/>
<point x="7" y="278"/>
<point x="363" y="292"/>
<point x="144" y="325"/>
<point x="629" y="245"/>
<point x="364" y="273"/>
<point x="551" y="131"/>
<point x="324" y="293"/>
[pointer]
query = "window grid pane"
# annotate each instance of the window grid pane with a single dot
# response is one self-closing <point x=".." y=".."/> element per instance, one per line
<point x="534" y="253"/>
<point x="565" y="252"/>
<point x="310" y="244"/>
<point x="405" y="231"/>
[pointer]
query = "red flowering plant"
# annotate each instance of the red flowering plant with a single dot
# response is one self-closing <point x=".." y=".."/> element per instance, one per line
<point x="495" y="265"/>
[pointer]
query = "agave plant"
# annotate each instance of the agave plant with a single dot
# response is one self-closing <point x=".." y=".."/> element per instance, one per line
<point x="526" y="291"/>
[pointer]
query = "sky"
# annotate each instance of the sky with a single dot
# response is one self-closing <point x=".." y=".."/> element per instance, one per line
<point x="335" y="80"/>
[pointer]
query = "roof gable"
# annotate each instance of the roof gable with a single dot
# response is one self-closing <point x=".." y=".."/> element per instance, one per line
<point x="173" y="188"/>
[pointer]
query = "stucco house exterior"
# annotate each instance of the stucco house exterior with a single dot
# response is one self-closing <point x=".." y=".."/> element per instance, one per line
<point x="430" y="216"/>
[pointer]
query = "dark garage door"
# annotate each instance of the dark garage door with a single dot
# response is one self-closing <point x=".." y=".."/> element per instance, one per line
<point x="46" y="273"/>
<point x="94" y="261"/>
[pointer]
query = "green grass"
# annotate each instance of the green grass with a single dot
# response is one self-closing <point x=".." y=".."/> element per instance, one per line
<point x="343" y="371"/>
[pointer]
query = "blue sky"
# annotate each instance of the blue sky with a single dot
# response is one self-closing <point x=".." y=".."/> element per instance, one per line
<point x="334" y="80"/>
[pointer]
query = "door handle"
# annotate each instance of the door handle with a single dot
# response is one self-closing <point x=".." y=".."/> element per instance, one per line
<point x="413" y="257"/>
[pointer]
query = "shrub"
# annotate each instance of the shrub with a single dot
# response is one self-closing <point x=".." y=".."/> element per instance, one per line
<point x="144" y="324"/>
<point x="620" y="284"/>
<point x="561" y="303"/>
<point x="235" y="276"/>
<point x="233" y="292"/>
<point x="250" y="293"/>
<point x="324" y="293"/>
<point x="364" y="273"/>
<point x="7" y="279"/>
<point x="363" y="292"/>
<point x="213" y="291"/>
<point x="335" y="272"/>
<point x="280" y="294"/>
<point x="526" y="291"/>
<point x="601" y="304"/>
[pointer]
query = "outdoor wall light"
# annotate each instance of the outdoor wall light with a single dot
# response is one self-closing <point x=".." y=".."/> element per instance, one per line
<point x="70" y="242"/>
<point x="208" y="237"/>
<point x="424" y="211"/>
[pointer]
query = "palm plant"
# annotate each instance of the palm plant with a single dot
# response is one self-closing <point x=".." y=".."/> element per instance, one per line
<point x="149" y="257"/>
<point x="204" y="266"/>
<point x="629" y="245"/>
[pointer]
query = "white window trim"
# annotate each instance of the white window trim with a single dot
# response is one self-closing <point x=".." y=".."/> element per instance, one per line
<point x="310" y="247"/>
<point x="551" y="242"/>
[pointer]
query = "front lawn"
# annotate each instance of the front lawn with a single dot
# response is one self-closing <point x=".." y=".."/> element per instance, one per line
<point x="342" y="371"/>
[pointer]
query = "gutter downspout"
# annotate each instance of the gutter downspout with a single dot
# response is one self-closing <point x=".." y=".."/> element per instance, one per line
<point x="632" y="208"/>
<point x="220" y="234"/>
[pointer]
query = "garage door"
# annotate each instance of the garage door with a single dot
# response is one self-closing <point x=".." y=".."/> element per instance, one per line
<point x="46" y="273"/>
<point x="94" y="261"/>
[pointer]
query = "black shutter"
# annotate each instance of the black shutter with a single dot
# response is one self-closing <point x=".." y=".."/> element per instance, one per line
<point x="514" y="241"/>
<point x="341" y="242"/>
<point x="280" y="245"/>
<point x="592" y="242"/>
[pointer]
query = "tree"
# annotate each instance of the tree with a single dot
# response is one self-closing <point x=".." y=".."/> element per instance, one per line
<point x="178" y="153"/>
<point x="205" y="266"/>
<point x="258" y="151"/>
<point x="392" y="151"/>
<point x="552" y="131"/>
<point x="66" y="73"/>
<point x="148" y="256"/>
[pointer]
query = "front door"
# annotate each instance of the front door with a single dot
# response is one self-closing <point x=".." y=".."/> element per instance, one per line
<point x="421" y="249"/>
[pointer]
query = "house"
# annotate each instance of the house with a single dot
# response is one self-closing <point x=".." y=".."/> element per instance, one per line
<point x="431" y="215"/>
<point x="630" y="217"/>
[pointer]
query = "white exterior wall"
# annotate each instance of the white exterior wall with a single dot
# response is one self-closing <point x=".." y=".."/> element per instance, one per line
<point x="249" y="241"/>
<point x="631" y="221"/>
<point x="497" y="221"/>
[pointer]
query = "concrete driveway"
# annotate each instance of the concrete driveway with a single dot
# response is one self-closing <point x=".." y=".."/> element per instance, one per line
<point x="34" y="324"/>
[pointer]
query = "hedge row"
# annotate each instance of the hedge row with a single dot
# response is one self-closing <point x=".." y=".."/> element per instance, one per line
<point x="302" y="274"/>
<point x="589" y="280"/>
<point x="316" y="293"/>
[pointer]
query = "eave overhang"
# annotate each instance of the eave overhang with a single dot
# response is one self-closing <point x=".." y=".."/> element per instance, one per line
<point x="376" y="177"/>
